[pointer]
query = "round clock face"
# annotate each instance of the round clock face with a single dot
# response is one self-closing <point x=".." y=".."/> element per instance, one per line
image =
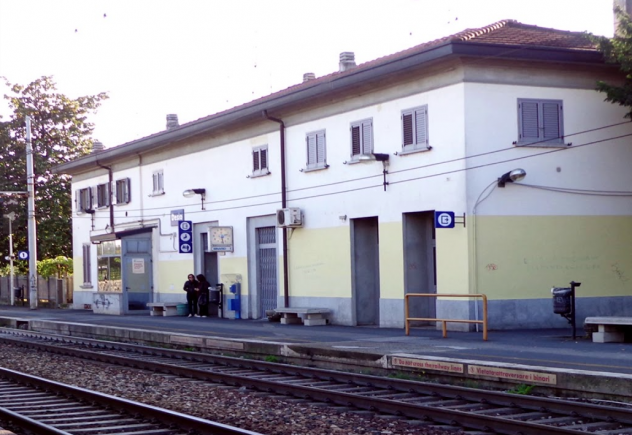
<point x="222" y="235"/>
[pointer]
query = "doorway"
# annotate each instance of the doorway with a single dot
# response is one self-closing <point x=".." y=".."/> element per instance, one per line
<point x="420" y="258"/>
<point x="266" y="269"/>
<point x="365" y="270"/>
<point x="137" y="271"/>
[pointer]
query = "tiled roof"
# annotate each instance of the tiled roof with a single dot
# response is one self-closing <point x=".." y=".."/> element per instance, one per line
<point x="506" y="32"/>
<point x="510" y="32"/>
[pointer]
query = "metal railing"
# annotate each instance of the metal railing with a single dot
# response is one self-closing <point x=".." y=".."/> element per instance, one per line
<point x="445" y="321"/>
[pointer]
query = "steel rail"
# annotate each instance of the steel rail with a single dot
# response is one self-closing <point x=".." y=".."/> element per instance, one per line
<point x="101" y="400"/>
<point x="438" y="414"/>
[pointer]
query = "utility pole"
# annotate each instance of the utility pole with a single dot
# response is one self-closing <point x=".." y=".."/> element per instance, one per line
<point x="30" y="182"/>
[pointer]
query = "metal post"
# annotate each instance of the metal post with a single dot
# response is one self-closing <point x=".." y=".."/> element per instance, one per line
<point x="572" y="320"/>
<point x="30" y="182"/>
<point x="11" y="216"/>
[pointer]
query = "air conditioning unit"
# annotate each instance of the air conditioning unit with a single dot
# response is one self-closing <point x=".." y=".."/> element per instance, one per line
<point x="289" y="217"/>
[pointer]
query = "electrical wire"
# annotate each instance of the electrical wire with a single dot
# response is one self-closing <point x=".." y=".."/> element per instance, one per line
<point x="380" y="174"/>
<point x="392" y="182"/>
<point x="577" y="191"/>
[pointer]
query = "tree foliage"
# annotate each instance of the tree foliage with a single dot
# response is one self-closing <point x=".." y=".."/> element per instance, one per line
<point x="619" y="50"/>
<point x="60" y="132"/>
<point x="58" y="267"/>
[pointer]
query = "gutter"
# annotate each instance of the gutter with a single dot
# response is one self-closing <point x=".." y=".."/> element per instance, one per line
<point x="110" y="180"/>
<point x="286" y="296"/>
<point x="338" y="82"/>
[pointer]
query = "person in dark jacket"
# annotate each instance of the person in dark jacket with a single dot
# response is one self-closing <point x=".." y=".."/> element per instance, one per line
<point x="203" y="295"/>
<point x="191" y="287"/>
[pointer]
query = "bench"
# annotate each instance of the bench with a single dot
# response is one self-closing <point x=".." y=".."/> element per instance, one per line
<point x="310" y="316"/>
<point x="609" y="329"/>
<point x="163" y="308"/>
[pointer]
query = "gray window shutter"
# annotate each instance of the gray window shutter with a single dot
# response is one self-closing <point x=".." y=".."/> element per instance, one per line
<point x="355" y="140"/>
<point x="312" y="154"/>
<point x="320" y="148"/>
<point x="529" y="122"/>
<point x="551" y="120"/>
<point x="86" y="264"/>
<point x="128" y="191"/>
<point x="255" y="160"/>
<point x="264" y="158"/>
<point x="421" y="126"/>
<point x="407" y="125"/>
<point x="92" y="195"/>
<point x="367" y="138"/>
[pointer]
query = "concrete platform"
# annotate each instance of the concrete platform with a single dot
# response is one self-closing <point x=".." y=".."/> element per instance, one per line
<point x="548" y="359"/>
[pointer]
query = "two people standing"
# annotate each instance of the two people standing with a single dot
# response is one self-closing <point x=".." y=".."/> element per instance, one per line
<point x="197" y="289"/>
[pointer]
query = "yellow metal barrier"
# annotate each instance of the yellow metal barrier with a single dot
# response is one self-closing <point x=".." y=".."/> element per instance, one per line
<point x="445" y="321"/>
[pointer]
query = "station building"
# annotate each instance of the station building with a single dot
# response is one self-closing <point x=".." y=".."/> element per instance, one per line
<point x="326" y="194"/>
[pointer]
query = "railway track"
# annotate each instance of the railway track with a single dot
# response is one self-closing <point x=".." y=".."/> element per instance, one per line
<point x="433" y="404"/>
<point x="43" y="407"/>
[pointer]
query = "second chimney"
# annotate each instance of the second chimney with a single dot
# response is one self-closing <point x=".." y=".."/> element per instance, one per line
<point x="347" y="60"/>
<point x="97" y="147"/>
<point x="172" y="121"/>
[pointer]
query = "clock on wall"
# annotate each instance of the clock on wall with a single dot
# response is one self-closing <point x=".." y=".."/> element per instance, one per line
<point x="221" y="239"/>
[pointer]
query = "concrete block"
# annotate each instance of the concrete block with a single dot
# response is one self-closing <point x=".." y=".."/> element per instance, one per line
<point x="314" y="322"/>
<point x="608" y="337"/>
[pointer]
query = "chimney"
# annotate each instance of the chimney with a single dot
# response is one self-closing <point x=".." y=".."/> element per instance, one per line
<point x="626" y="6"/>
<point x="97" y="147"/>
<point x="347" y="60"/>
<point x="172" y="121"/>
<point x="308" y="76"/>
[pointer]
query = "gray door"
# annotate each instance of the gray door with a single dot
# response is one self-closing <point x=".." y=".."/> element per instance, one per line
<point x="210" y="265"/>
<point x="365" y="270"/>
<point x="266" y="269"/>
<point x="420" y="271"/>
<point x="137" y="271"/>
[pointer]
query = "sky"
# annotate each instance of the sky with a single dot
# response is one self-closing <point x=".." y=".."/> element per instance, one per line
<point x="195" y="58"/>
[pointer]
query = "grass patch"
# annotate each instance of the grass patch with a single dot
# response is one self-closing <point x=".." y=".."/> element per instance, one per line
<point x="522" y="389"/>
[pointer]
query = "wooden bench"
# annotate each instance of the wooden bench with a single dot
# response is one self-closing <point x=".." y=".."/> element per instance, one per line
<point x="310" y="316"/>
<point x="163" y="308"/>
<point x="609" y="329"/>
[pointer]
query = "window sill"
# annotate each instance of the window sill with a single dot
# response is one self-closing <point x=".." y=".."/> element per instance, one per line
<point x="413" y="151"/>
<point x="157" y="194"/>
<point x="122" y="203"/>
<point x="315" y="168"/>
<point x="259" y="175"/>
<point x="86" y="286"/>
<point x="362" y="158"/>
<point x="538" y="144"/>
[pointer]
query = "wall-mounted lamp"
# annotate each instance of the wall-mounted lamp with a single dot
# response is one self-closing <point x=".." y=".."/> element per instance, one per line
<point x="192" y="192"/>
<point x="511" y="176"/>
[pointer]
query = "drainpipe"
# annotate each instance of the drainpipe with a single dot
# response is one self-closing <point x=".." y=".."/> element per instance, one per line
<point x="110" y="178"/>
<point x="286" y="299"/>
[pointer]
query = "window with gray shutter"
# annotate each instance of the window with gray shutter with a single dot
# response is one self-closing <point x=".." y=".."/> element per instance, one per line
<point x="87" y="281"/>
<point x="415" y="129"/>
<point x="361" y="138"/>
<point x="540" y="122"/>
<point x="103" y="195"/>
<point x="123" y="191"/>
<point x="84" y="200"/>
<point x="316" y="150"/>
<point x="260" y="161"/>
<point x="158" y="182"/>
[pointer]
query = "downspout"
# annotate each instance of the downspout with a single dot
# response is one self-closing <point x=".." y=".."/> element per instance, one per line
<point x="110" y="179"/>
<point x="286" y="299"/>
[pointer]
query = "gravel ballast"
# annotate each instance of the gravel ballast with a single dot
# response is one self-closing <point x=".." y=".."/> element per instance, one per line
<point x="232" y="406"/>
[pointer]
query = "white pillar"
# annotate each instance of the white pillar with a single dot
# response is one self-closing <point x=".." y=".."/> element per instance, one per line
<point x="30" y="182"/>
